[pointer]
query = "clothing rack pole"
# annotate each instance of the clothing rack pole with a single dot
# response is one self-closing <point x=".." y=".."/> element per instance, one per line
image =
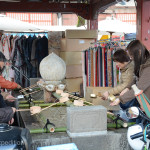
<point x="105" y="42"/>
<point x="26" y="32"/>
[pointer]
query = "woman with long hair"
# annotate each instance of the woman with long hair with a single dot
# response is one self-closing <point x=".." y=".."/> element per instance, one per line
<point x="141" y="57"/>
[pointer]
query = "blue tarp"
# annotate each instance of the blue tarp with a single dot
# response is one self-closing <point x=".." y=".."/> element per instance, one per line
<point x="70" y="146"/>
<point x="130" y="36"/>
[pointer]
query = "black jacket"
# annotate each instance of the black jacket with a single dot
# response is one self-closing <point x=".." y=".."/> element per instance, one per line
<point x="6" y="113"/>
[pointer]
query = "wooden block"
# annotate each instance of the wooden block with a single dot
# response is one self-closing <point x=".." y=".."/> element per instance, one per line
<point x="82" y="34"/>
<point x="65" y="94"/>
<point x="78" y="103"/>
<point x="75" y="44"/>
<point x="59" y="91"/>
<point x="73" y="71"/>
<point x="72" y="58"/>
<point x="63" y="99"/>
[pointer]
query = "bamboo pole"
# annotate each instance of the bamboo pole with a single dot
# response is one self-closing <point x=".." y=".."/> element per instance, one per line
<point x="123" y="123"/>
<point x="113" y="125"/>
<point x="34" y="131"/>
<point x="22" y="109"/>
<point x="49" y="127"/>
<point x="68" y="103"/>
<point x="72" y="96"/>
<point x="27" y="88"/>
<point x="64" y="129"/>
<point x="88" y="103"/>
<point x="35" y="101"/>
<point x="50" y="106"/>
<point x="56" y="95"/>
<point x="32" y="92"/>
<point x="41" y="105"/>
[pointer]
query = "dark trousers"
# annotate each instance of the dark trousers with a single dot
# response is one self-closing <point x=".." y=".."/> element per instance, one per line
<point x="129" y="104"/>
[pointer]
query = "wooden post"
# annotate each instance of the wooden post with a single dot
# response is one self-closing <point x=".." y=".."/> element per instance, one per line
<point x="47" y="96"/>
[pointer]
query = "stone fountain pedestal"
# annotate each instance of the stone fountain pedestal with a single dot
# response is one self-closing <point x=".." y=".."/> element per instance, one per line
<point x="53" y="71"/>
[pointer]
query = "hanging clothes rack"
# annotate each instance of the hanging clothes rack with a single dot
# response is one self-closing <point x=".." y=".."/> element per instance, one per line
<point x="25" y="53"/>
<point x="99" y="68"/>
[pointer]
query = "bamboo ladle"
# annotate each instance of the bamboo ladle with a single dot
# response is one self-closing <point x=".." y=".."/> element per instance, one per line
<point x="36" y="109"/>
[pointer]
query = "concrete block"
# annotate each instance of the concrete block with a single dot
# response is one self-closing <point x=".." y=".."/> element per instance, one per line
<point x="86" y="121"/>
<point x="110" y="141"/>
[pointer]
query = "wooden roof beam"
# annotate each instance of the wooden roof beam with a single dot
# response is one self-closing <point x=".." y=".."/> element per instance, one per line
<point x="44" y="6"/>
<point x="100" y="7"/>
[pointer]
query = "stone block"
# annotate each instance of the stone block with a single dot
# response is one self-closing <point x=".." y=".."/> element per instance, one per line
<point x="34" y="80"/>
<point x="86" y="121"/>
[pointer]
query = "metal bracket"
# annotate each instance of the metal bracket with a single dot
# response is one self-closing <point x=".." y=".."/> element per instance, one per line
<point x="115" y="120"/>
<point x="46" y="125"/>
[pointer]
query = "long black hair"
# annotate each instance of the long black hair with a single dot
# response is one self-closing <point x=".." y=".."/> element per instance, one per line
<point x="139" y="53"/>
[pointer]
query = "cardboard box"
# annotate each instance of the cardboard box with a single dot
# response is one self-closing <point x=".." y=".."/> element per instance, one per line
<point x="73" y="85"/>
<point x="81" y="34"/>
<point x="73" y="71"/>
<point x="75" y="44"/>
<point x="72" y="58"/>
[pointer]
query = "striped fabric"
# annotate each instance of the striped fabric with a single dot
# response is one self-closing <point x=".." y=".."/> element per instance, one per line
<point x="100" y="70"/>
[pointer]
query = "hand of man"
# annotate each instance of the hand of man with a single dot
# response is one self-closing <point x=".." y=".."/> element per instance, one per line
<point x="116" y="102"/>
<point x="18" y="86"/>
<point x="11" y="121"/>
<point x="14" y="109"/>
<point x="124" y="91"/>
<point x="10" y="98"/>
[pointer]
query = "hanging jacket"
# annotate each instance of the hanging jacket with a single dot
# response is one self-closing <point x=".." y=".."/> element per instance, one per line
<point x="126" y="78"/>
<point x="7" y="84"/>
<point x="143" y="83"/>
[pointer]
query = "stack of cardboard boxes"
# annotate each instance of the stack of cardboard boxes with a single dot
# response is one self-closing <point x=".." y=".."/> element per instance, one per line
<point x="72" y="47"/>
